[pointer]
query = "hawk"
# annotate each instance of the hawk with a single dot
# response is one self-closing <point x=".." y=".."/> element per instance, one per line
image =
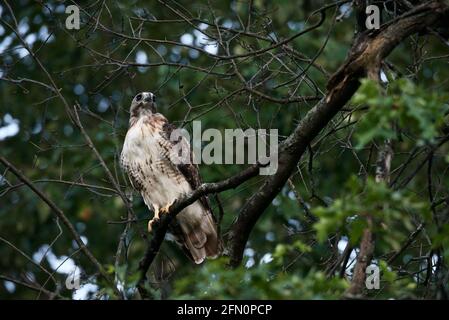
<point x="147" y="157"/>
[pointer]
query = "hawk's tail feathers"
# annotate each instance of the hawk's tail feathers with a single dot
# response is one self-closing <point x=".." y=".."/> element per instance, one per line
<point x="204" y="241"/>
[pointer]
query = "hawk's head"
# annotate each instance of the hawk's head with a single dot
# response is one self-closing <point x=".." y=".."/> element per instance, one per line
<point x="143" y="101"/>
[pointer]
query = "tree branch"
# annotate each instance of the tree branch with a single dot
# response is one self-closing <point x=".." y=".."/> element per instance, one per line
<point x="60" y="214"/>
<point x="161" y="229"/>
<point x="367" y="243"/>
<point x="368" y="50"/>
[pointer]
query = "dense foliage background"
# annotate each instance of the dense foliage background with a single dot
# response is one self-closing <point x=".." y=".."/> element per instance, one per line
<point x="306" y="243"/>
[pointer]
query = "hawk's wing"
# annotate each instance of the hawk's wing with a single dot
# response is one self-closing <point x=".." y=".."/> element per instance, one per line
<point x="189" y="170"/>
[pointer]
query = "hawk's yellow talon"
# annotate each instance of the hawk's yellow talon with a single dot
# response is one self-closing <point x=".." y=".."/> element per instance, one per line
<point x="151" y="222"/>
<point x="155" y="218"/>
<point x="166" y="209"/>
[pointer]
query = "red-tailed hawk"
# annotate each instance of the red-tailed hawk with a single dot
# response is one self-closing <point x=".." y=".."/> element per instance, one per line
<point x="147" y="157"/>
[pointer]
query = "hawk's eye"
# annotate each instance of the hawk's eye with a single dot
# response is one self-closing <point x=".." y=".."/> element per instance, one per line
<point x="154" y="98"/>
<point x="138" y="97"/>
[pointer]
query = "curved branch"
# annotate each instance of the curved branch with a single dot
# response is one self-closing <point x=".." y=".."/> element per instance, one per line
<point x="180" y="204"/>
<point x="368" y="50"/>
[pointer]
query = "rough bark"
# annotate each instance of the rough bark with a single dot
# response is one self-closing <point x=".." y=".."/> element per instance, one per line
<point x="368" y="50"/>
<point x="367" y="243"/>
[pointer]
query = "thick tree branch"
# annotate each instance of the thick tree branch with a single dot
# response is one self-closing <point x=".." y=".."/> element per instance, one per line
<point x="364" y="58"/>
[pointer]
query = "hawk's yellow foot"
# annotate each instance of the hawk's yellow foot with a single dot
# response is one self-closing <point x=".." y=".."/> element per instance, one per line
<point x="154" y="220"/>
<point x="166" y="209"/>
<point x="157" y="211"/>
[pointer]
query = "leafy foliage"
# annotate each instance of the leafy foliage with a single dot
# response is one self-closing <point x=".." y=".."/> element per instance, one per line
<point x="394" y="213"/>
<point x="412" y="108"/>
<point x="263" y="281"/>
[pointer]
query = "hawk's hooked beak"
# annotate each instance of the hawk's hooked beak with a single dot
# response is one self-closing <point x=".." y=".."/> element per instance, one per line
<point x="149" y="98"/>
<point x="149" y="101"/>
